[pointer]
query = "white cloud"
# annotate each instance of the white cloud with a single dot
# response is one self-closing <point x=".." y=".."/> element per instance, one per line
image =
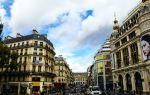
<point x="29" y="14"/>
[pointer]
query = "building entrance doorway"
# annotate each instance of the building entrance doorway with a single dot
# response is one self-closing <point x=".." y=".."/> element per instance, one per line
<point x="138" y="83"/>
<point x="129" y="84"/>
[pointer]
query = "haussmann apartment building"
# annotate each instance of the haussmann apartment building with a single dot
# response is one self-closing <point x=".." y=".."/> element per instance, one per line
<point x="35" y="72"/>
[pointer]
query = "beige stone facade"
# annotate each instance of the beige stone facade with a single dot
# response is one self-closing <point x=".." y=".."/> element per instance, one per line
<point x="35" y="69"/>
<point x="80" y="78"/>
<point x="64" y="75"/>
<point x="131" y="70"/>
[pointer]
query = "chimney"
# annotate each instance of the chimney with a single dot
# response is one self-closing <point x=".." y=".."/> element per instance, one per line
<point x="45" y="35"/>
<point x="18" y="35"/>
<point x="34" y="31"/>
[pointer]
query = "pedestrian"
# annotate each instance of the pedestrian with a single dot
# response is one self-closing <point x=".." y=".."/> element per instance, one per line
<point x="42" y="93"/>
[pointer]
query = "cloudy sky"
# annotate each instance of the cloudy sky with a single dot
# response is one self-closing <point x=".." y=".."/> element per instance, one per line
<point x="77" y="28"/>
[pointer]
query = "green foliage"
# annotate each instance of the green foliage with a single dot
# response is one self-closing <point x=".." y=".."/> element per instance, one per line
<point x="13" y="64"/>
<point x="4" y="54"/>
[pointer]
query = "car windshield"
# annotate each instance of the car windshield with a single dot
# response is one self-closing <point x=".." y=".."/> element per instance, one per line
<point x="95" y="88"/>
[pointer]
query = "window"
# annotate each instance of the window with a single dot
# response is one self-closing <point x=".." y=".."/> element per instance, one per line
<point x="33" y="68"/>
<point x="117" y="44"/>
<point x="39" y="68"/>
<point x="22" y="43"/>
<point x="126" y="56"/>
<point x="132" y="35"/>
<point x="20" y="60"/>
<point x="27" y="43"/>
<point x="134" y="53"/>
<point x="10" y="45"/>
<point x="124" y="40"/>
<point x="35" y="51"/>
<point x="24" y="68"/>
<point x="18" y="44"/>
<point x="41" y="43"/>
<point x="40" y="59"/>
<point x="26" y="50"/>
<point x="21" y="52"/>
<point x="118" y="55"/>
<point x="35" y="43"/>
<point x="25" y="59"/>
<point x="41" y="53"/>
<point x="34" y="59"/>
<point x="17" y="51"/>
<point x="14" y="45"/>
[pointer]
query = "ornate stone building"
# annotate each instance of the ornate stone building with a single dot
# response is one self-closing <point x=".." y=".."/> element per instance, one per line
<point x="64" y="75"/>
<point x="131" y="69"/>
<point x="80" y="78"/>
<point x="35" y="70"/>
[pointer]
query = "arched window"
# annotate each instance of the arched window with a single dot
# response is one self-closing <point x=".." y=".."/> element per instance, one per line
<point x="120" y="83"/>
<point x="128" y="83"/>
<point x="138" y="83"/>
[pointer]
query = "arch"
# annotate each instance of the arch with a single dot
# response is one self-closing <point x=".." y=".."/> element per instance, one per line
<point x="128" y="83"/>
<point x="120" y="82"/>
<point x="138" y="83"/>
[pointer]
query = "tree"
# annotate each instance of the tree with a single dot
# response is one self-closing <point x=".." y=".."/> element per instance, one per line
<point x="4" y="55"/>
<point x="13" y="64"/>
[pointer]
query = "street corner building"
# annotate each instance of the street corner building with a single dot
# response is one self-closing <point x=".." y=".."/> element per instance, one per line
<point x="64" y="75"/>
<point x="35" y="71"/>
<point x="102" y="74"/>
<point x="130" y="44"/>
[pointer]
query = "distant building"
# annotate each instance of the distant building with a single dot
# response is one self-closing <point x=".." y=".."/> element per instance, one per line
<point x="102" y="67"/>
<point x="89" y="75"/>
<point x="35" y="71"/>
<point x="80" y="78"/>
<point x="64" y="75"/>
<point x="130" y="44"/>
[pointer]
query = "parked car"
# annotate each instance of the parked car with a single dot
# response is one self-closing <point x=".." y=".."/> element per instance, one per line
<point x="95" y="90"/>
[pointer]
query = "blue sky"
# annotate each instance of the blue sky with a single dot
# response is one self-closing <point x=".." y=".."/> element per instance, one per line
<point x="77" y="28"/>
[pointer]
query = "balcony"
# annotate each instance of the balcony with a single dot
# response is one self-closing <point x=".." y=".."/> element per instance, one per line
<point x="26" y="73"/>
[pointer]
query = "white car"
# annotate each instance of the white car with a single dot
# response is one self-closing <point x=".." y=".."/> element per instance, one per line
<point x="95" y="91"/>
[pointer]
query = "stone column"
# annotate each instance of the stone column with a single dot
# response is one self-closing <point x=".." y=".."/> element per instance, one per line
<point x="145" y="83"/>
<point x="140" y="54"/>
<point x="130" y="58"/>
<point x="122" y="63"/>
<point x="124" y="83"/>
<point x="18" y="88"/>
<point x="115" y="61"/>
<point x="133" y="82"/>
